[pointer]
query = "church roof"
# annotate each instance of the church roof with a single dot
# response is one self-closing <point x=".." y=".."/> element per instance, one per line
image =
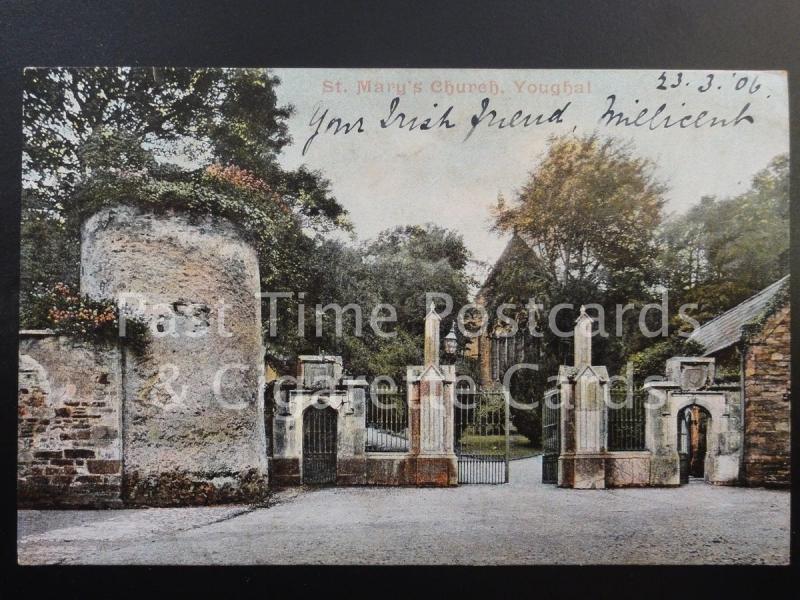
<point x="516" y="249"/>
<point x="726" y="329"/>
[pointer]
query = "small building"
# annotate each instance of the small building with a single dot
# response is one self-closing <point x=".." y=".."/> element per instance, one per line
<point x="756" y="334"/>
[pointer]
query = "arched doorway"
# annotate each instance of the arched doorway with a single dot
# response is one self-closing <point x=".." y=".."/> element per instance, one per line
<point x="693" y="426"/>
<point x="319" y="445"/>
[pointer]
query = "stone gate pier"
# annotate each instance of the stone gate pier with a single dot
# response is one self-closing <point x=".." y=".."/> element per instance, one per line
<point x="670" y="425"/>
<point x="319" y="426"/>
<point x="431" y="399"/>
<point x="584" y="395"/>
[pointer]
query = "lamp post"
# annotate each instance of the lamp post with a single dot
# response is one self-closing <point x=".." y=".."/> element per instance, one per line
<point x="451" y="341"/>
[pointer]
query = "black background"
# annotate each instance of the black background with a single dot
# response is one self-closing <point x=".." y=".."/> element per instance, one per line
<point x="733" y="34"/>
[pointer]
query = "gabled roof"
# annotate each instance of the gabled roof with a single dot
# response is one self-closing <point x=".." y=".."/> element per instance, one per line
<point x="726" y="329"/>
<point x="517" y="248"/>
<point x="566" y="372"/>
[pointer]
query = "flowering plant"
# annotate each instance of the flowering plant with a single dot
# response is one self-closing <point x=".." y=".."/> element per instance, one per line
<point x="245" y="181"/>
<point x="237" y="177"/>
<point x="70" y="313"/>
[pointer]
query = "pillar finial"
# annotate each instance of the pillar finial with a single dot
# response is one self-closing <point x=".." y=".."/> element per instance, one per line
<point x="432" y="322"/>
<point x="583" y="339"/>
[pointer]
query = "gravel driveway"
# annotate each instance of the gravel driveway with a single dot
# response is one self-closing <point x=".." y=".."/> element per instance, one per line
<point x="524" y="522"/>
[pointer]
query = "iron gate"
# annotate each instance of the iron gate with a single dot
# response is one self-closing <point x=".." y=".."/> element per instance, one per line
<point x="692" y="427"/>
<point x="481" y="435"/>
<point x="551" y="436"/>
<point x="319" y="445"/>
<point x="684" y="444"/>
<point x="386" y="419"/>
<point x="626" y="420"/>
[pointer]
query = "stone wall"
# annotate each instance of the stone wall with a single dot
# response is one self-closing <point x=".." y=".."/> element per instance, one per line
<point x="767" y="362"/>
<point x="724" y="436"/>
<point x="69" y="443"/>
<point x="348" y="400"/>
<point x="429" y="461"/>
<point x="194" y="409"/>
<point x="627" y="469"/>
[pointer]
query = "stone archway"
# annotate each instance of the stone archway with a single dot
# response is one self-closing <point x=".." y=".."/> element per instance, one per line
<point x="723" y="435"/>
<point x="712" y="407"/>
<point x="694" y="422"/>
<point x="691" y="384"/>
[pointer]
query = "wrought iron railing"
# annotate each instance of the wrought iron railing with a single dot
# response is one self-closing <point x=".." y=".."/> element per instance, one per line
<point x="626" y="420"/>
<point x="387" y="420"/>
<point x="481" y="435"/>
<point x="551" y="435"/>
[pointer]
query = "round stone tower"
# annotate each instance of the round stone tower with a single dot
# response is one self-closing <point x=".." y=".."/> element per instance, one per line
<point x="193" y="408"/>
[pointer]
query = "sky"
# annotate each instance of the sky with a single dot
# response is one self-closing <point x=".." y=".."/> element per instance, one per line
<point x="387" y="176"/>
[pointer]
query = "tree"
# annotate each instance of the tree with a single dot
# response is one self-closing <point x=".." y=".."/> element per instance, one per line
<point x="408" y="261"/>
<point x="583" y="227"/>
<point x="230" y="116"/>
<point x="397" y="267"/>
<point x="589" y="211"/>
<point x="86" y="127"/>
<point x="721" y="251"/>
<point x="651" y="361"/>
<point x="49" y="253"/>
<point x="428" y="242"/>
<point x="589" y="214"/>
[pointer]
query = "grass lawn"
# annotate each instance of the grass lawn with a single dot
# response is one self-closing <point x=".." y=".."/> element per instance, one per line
<point x="519" y="446"/>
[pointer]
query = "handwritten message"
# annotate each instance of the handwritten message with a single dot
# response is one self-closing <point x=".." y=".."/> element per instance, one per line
<point x="616" y="111"/>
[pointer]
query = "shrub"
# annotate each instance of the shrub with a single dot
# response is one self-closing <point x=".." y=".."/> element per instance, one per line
<point x="651" y="361"/>
<point x="230" y="192"/>
<point x="65" y="311"/>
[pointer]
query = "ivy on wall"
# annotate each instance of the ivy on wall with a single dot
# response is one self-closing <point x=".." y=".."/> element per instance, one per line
<point x="229" y="192"/>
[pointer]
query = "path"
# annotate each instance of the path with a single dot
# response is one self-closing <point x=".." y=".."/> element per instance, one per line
<point x="521" y="522"/>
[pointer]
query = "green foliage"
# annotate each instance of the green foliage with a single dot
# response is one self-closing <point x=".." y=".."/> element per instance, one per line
<point x="519" y="446"/>
<point x="229" y="116"/>
<point x="391" y="356"/>
<point x="589" y="210"/>
<point x="781" y="298"/>
<point x="491" y="414"/>
<point x="398" y="267"/>
<point x="429" y="243"/>
<point x="261" y="215"/>
<point x="526" y="413"/>
<point x="651" y="361"/>
<point x="65" y="311"/>
<point x="587" y="229"/>
<point x="96" y="131"/>
<point x="50" y="253"/>
<point x="584" y="227"/>
<point x="520" y="278"/>
<point x="724" y="250"/>
<point x="407" y="262"/>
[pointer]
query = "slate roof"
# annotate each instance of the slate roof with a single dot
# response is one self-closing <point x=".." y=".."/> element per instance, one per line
<point x="726" y="329"/>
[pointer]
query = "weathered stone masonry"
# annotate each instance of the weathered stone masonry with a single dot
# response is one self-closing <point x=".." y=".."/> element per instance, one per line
<point x="181" y="423"/>
<point x="69" y="418"/>
<point x="184" y="442"/>
<point x="757" y="333"/>
<point x="429" y="460"/>
<point x="767" y="365"/>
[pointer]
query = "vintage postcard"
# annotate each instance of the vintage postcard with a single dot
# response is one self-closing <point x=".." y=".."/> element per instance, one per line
<point x="404" y="316"/>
